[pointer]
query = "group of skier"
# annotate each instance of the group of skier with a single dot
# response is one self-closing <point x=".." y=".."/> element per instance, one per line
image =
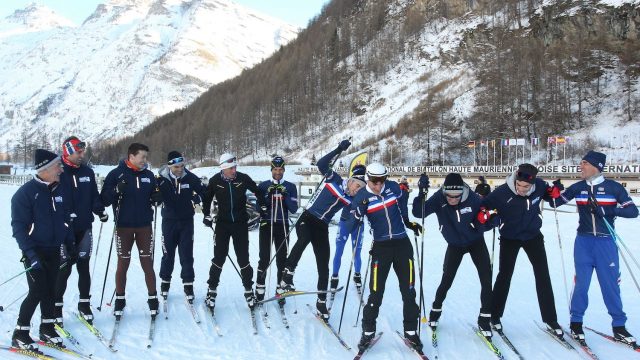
<point x="52" y="219"/>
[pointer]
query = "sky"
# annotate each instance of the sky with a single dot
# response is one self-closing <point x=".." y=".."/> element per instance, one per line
<point x="295" y="12"/>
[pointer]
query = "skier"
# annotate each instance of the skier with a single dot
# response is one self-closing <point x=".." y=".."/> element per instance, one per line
<point x="404" y="184"/>
<point x="280" y="199"/>
<point x="358" y="172"/>
<point x="313" y="225"/>
<point x="132" y="190"/>
<point x="483" y="189"/>
<point x="456" y="208"/>
<point x="229" y="187"/>
<point x="597" y="199"/>
<point x="78" y="185"/>
<point x="517" y="203"/>
<point x="181" y="192"/>
<point x="40" y="223"/>
<point x="385" y="206"/>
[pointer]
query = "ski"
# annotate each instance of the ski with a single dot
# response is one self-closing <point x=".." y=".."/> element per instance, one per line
<point x="265" y="316"/>
<point x="216" y="327"/>
<point x="434" y="341"/>
<point x="634" y="346"/>
<point x="492" y="347"/>
<point x="165" y="307"/>
<point x="297" y="293"/>
<point x="411" y="346"/>
<point x="152" y="331"/>
<point x="254" y="322"/>
<point x="192" y="310"/>
<point x="114" y="333"/>
<point x="67" y="335"/>
<point x="373" y="342"/>
<point x="329" y="327"/>
<point x="94" y="331"/>
<point x="283" y="315"/>
<point x="562" y="341"/>
<point x="37" y="354"/>
<point x="508" y="342"/>
<point x="64" y="350"/>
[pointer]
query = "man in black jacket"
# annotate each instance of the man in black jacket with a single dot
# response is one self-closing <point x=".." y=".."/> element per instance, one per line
<point x="229" y="187"/>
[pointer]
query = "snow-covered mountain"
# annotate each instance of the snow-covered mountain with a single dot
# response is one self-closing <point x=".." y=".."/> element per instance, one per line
<point x="130" y="61"/>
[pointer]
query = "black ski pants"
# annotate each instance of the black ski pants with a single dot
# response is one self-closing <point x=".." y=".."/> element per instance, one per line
<point x="280" y="231"/>
<point x="177" y="234"/>
<point x="223" y="232"/>
<point x="42" y="286"/>
<point x="83" y="241"/>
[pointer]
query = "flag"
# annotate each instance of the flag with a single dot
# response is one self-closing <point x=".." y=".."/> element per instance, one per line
<point x="483" y="142"/>
<point x="360" y="159"/>
<point x="505" y="142"/>
<point x="471" y="144"/>
<point x="535" y="141"/>
<point x="551" y="140"/>
<point x="493" y="143"/>
<point x="513" y="142"/>
<point x="561" y="140"/>
<point x="520" y="142"/>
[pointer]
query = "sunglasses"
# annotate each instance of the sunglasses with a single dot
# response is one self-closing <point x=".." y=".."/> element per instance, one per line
<point x="71" y="148"/>
<point x="176" y="160"/>
<point x="453" y="196"/>
<point x="377" y="179"/>
<point x="524" y="176"/>
<point x="232" y="160"/>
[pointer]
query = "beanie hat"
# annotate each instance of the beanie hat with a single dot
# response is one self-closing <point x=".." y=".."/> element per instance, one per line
<point x="359" y="171"/>
<point x="174" y="158"/>
<point x="227" y="161"/>
<point x="597" y="159"/>
<point x="72" y="145"/>
<point x="527" y="173"/>
<point x="44" y="159"/>
<point x="277" y="162"/>
<point x="453" y="184"/>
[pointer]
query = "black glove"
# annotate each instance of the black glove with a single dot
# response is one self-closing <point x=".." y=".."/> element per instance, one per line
<point x="104" y="217"/>
<point x="121" y="187"/>
<point x="423" y="183"/>
<point x="277" y="188"/>
<point x="263" y="212"/>
<point x="558" y="184"/>
<point x="208" y="221"/>
<point x="34" y="261"/>
<point x="344" y="145"/>
<point x="196" y="199"/>
<point x="594" y="208"/>
<point x="414" y="226"/>
<point x="156" y="198"/>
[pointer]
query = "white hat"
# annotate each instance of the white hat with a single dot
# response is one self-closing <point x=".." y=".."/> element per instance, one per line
<point x="227" y="160"/>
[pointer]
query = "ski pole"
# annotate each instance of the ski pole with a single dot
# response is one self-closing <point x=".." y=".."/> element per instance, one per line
<point x="493" y="251"/>
<point x="112" y="296"/>
<point x="18" y="274"/>
<point x="564" y="274"/>
<point x="3" y="308"/>
<point x="95" y="257"/>
<point x="422" y="308"/>
<point x="113" y="235"/>
<point x="624" y="258"/>
<point x="619" y="239"/>
<point x="366" y="273"/>
<point x="155" y="227"/>
<point x="273" y="202"/>
<point x="346" y="290"/>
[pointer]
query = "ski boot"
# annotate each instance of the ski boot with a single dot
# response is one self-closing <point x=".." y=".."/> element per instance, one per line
<point x="621" y="334"/>
<point x="210" y="300"/>
<point x="286" y="283"/>
<point x="357" y="279"/>
<point x="555" y="328"/>
<point x="250" y="298"/>
<point x="412" y="336"/>
<point x="188" y="291"/>
<point x="484" y="325"/>
<point x="321" y="305"/>
<point x="260" y="291"/>
<point x="365" y="340"/>
<point x="57" y="313"/>
<point x="164" y="288"/>
<point x="118" y="308"/>
<point x="496" y="324"/>
<point x="48" y="332"/>
<point x="84" y="309"/>
<point x="153" y="304"/>
<point x="576" y="331"/>
<point x="281" y="301"/>
<point x="22" y="340"/>
<point x="434" y="317"/>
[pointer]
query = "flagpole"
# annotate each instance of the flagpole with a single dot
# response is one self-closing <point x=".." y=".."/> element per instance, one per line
<point x="494" y="152"/>
<point x="501" y="162"/>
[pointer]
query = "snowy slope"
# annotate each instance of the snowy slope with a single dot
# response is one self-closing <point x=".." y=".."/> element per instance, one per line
<point x="127" y="63"/>
<point x="180" y="337"/>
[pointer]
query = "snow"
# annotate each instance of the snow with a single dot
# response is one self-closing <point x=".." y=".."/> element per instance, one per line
<point x="180" y="337"/>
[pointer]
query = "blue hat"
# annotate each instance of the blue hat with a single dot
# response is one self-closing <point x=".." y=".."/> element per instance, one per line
<point x="359" y="171"/>
<point x="277" y="162"/>
<point x="597" y="159"/>
<point x="44" y="159"/>
<point x="174" y="158"/>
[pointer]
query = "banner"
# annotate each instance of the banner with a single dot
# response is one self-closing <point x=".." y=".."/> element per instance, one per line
<point x="632" y="169"/>
<point x="360" y="159"/>
<point x="535" y="141"/>
<point x="513" y="142"/>
<point x="561" y="140"/>
<point x="520" y="142"/>
<point x="471" y="144"/>
<point x="505" y="142"/>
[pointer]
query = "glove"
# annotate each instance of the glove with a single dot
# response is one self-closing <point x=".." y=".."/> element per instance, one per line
<point x="484" y="215"/>
<point x="121" y="187"/>
<point x="279" y="188"/>
<point x="344" y="145"/>
<point x="34" y="261"/>
<point x="263" y="212"/>
<point x="414" y="226"/>
<point x="558" y="184"/>
<point x="103" y="216"/>
<point x="156" y="198"/>
<point x="423" y="183"/>
<point x="208" y="221"/>
<point x="555" y="190"/>
<point x="196" y="199"/>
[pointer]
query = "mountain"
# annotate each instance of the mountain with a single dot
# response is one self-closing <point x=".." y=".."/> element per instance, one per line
<point x="414" y="81"/>
<point x="128" y="62"/>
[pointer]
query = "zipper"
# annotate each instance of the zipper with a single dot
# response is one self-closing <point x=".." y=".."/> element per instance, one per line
<point x="329" y="209"/>
<point x="233" y="219"/>
<point x="386" y="214"/>
<point x="138" y="182"/>
<point x="593" y="217"/>
<point x="458" y="214"/>
<point x="75" y="183"/>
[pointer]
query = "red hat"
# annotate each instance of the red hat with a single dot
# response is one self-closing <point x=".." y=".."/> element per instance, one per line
<point x="72" y="145"/>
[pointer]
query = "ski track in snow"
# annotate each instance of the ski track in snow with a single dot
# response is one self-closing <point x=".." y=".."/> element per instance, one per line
<point x="180" y="336"/>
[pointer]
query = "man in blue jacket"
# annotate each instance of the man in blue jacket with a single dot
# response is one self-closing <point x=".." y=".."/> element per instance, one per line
<point x="385" y="206"/>
<point x="181" y="192"/>
<point x="280" y="199"/>
<point x="456" y="207"/>
<point x="78" y="184"/>
<point x="132" y="190"/>
<point x="517" y="203"/>
<point x="313" y="225"/>
<point x="599" y="201"/>
<point x="40" y="223"/>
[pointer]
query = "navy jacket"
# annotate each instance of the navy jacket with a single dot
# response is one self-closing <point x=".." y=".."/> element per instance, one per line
<point x="458" y="224"/>
<point x="330" y="196"/>
<point x="231" y="196"/>
<point x="520" y="216"/>
<point x="387" y="213"/>
<point x="289" y="202"/>
<point x="179" y="195"/>
<point x="80" y="191"/>
<point x="135" y="205"/>
<point x="608" y="194"/>
<point x="39" y="219"/>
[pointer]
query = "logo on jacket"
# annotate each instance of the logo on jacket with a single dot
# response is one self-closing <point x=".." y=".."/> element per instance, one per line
<point x="146" y="179"/>
<point x="535" y="201"/>
<point x="465" y="210"/>
<point x="600" y="189"/>
<point x="84" y="179"/>
<point x="184" y="186"/>
<point x="58" y="199"/>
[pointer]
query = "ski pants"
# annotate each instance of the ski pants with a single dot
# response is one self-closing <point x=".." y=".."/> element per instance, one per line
<point x="83" y="241"/>
<point x="311" y="230"/>
<point x="280" y="231"/>
<point x="223" y="232"/>
<point x="452" y="259"/>
<point x="177" y="234"/>
<point x="534" y="248"/>
<point x="143" y="238"/>
<point x="599" y="253"/>
<point x="42" y="286"/>
<point x="384" y="254"/>
<point x="341" y="241"/>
